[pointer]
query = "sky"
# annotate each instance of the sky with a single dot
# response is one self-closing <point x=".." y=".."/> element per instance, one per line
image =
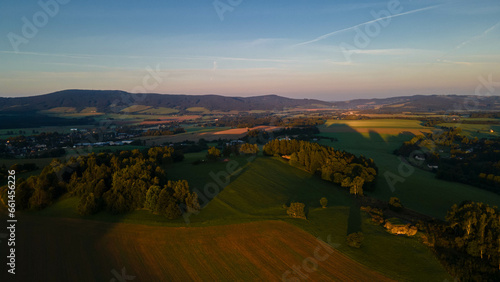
<point x="329" y="50"/>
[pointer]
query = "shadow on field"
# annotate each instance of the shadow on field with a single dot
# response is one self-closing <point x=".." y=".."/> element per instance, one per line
<point x="65" y="249"/>
<point x="354" y="220"/>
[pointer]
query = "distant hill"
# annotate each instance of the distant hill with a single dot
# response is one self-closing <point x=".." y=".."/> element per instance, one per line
<point x="114" y="101"/>
<point x="422" y="103"/>
<point x="109" y="101"/>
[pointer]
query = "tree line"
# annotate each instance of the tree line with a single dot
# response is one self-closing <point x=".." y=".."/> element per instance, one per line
<point x="340" y="167"/>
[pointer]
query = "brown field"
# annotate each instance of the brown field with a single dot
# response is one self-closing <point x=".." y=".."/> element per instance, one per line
<point x="78" y="250"/>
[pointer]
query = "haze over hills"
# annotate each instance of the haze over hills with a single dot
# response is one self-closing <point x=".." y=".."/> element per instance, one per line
<point x="114" y="101"/>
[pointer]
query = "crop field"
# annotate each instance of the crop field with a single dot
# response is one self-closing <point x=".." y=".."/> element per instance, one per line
<point x="379" y="126"/>
<point x="90" y="251"/>
<point x="418" y="190"/>
<point x="159" y="111"/>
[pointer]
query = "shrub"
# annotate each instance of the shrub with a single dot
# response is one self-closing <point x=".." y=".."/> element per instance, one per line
<point x="355" y="239"/>
<point x="323" y="201"/>
<point x="395" y="204"/>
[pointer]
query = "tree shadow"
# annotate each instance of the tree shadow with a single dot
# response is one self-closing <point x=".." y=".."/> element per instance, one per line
<point x="354" y="220"/>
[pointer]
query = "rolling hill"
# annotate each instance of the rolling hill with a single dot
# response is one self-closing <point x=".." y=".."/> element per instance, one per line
<point x="114" y="101"/>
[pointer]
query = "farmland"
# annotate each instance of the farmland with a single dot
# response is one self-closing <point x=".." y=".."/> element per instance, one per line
<point x="257" y="192"/>
<point x="89" y="251"/>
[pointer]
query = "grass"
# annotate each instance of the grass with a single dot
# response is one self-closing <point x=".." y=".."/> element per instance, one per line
<point x="198" y="109"/>
<point x="159" y="111"/>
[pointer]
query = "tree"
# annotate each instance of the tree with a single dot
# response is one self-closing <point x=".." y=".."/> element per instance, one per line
<point x="356" y="186"/>
<point x="296" y="210"/>
<point x="213" y="154"/>
<point x="323" y="201"/>
<point x="355" y="239"/>
<point x="88" y="204"/>
<point x="249" y="149"/>
<point x="172" y="210"/>
<point x="152" y="197"/>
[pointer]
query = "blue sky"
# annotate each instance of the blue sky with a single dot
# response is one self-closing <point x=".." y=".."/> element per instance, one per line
<point x="331" y="50"/>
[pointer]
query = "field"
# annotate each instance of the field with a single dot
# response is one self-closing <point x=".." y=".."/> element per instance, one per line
<point x="479" y="130"/>
<point x="159" y="111"/>
<point x="418" y="190"/>
<point x="257" y="192"/>
<point x="90" y="251"/>
<point x="378" y="126"/>
<point x="207" y="133"/>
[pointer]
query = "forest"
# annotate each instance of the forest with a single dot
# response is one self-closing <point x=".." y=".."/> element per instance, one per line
<point x="117" y="183"/>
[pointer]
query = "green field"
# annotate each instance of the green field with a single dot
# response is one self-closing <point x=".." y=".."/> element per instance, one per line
<point x="420" y="190"/>
<point x="198" y="110"/>
<point x="159" y="111"/>
<point x="472" y="130"/>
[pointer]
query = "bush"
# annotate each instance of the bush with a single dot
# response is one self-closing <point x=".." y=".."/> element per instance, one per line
<point x="355" y="239"/>
<point x="395" y="204"/>
<point x="296" y="210"/>
<point x="323" y="201"/>
<point x="213" y="154"/>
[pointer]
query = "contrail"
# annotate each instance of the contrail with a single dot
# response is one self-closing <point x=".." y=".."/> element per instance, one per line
<point x="368" y="22"/>
<point x="474" y="38"/>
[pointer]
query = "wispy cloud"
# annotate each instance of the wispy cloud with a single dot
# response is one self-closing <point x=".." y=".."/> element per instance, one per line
<point x="87" y="56"/>
<point x="454" y="62"/>
<point x="365" y="23"/>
